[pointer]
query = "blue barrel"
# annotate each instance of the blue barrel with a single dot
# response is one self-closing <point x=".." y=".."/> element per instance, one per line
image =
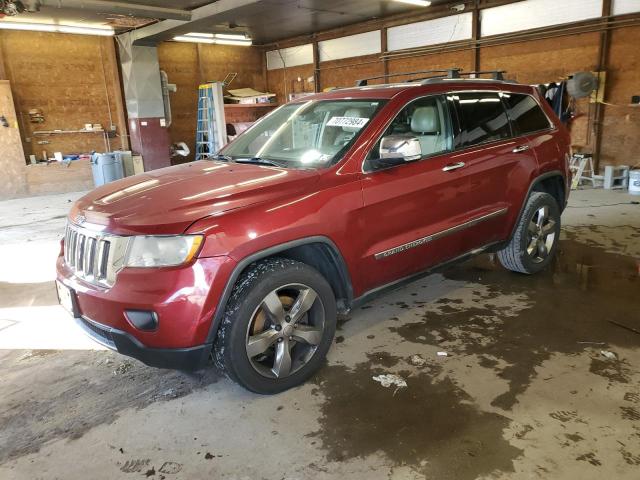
<point x="106" y="167"/>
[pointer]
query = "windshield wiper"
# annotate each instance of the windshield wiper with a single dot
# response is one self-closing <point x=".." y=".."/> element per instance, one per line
<point x="260" y="161"/>
<point x="224" y="158"/>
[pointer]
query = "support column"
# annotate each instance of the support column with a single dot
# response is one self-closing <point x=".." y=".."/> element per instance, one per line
<point x="603" y="63"/>
<point x="385" y="62"/>
<point x="145" y="107"/>
<point x="475" y="34"/>
<point x="316" y="66"/>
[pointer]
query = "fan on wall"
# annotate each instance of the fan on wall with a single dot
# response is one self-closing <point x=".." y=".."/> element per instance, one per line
<point x="582" y="84"/>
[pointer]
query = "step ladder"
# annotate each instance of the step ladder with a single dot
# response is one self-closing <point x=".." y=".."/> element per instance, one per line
<point x="211" y="129"/>
<point x="582" y="168"/>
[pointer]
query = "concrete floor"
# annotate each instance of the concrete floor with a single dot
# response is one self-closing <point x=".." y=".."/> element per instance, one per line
<point x="524" y="392"/>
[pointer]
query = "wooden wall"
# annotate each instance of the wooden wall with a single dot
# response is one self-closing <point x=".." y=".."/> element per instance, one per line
<point x="13" y="183"/>
<point x="189" y="64"/>
<point x="73" y="79"/>
<point x="621" y="128"/>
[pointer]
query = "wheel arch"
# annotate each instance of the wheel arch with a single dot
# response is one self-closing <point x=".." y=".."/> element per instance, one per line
<point x="318" y="252"/>
<point x="550" y="182"/>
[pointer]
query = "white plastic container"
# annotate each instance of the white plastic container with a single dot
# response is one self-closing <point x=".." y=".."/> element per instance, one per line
<point x="634" y="182"/>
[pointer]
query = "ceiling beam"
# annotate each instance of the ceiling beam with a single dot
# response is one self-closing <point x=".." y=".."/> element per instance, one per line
<point x="121" y="8"/>
<point x="202" y="17"/>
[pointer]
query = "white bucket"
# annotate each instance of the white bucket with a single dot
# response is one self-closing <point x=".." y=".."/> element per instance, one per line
<point x="634" y="182"/>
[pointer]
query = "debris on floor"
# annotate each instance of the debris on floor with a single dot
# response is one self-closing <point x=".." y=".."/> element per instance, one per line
<point x="390" y="379"/>
<point x="123" y="368"/>
<point x="608" y="355"/>
<point x="418" y="361"/>
<point x="443" y="354"/>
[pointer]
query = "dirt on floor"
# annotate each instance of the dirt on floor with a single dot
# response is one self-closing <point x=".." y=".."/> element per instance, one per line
<point x="472" y="373"/>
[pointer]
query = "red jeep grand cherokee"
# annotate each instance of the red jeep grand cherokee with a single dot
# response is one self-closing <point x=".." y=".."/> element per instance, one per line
<point x="248" y="257"/>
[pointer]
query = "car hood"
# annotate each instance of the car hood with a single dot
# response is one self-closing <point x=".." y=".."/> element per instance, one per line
<point x="168" y="200"/>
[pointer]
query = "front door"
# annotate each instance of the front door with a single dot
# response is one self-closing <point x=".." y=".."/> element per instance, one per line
<point x="413" y="212"/>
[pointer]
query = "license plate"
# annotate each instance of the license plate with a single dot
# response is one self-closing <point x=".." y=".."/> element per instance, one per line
<point x="66" y="298"/>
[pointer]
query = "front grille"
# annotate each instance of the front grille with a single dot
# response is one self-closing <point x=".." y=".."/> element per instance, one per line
<point x="87" y="256"/>
<point x="99" y="334"/>
<point x="92" y="255"/>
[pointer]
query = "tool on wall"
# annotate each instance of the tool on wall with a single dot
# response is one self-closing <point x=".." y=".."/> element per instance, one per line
<point x="36" y="115"/>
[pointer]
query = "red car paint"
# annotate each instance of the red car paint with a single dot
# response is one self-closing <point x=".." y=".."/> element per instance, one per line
<point x="243" y="209"/>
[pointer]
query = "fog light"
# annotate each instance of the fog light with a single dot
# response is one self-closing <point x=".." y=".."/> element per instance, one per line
<point x="142" y="319"/>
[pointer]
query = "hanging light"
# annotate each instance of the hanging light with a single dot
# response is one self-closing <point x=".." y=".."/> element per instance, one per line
<point x="238" y="39"/>
<point x="45" y="27"/>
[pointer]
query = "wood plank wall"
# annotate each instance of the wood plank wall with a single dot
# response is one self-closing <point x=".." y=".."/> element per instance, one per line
<point x="188" y="65"/>
<point x="73" y="79"/>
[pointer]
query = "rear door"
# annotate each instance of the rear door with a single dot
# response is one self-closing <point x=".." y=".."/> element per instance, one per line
<point x="496" y="164"/>
<point x="412" y="212"/>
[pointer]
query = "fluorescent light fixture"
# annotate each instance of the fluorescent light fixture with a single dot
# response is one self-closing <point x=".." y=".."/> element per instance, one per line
<point x="243" y="43"/>
<point x="214" y="39"/>
<point x="232" y="36"/>
<point x="200" y="35"/>
<point x="184" y="38"/>
<point x="45" y="27"/>
<point x="419" y="3"/>
<point x="85" y="30"/>
<point x="36" y="27"/>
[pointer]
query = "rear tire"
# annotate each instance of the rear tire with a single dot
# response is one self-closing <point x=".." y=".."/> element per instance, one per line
<point x="277" y="327"/>
<point x="536" y="237"/>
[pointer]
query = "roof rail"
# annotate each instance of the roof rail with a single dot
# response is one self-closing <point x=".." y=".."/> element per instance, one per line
<point x="450" y="73"/>
<point x="495" y="74"/>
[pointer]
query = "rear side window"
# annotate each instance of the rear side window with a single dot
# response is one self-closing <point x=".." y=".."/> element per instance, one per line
<point x="525" y="113"/>
<point x="482" y="118"/>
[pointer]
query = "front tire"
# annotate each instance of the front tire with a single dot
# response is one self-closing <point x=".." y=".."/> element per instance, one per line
<point x="536" y="237"/>
<point x="278" y="326"/>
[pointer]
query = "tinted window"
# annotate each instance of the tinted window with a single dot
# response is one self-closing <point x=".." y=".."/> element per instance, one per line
<point x="481" y="117"/>
<point x="525" y="113"/>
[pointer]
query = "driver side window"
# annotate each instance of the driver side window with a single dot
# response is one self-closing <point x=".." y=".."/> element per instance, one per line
<point x="425" y="119"/>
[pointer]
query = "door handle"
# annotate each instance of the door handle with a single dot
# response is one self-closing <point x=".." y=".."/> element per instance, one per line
<point x="521" y="148"/>
<point x="453" y="166"/>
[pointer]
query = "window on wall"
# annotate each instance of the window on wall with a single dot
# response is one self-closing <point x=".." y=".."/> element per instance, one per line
<point x="525" y="114"/>
<point x="482" y="118"/>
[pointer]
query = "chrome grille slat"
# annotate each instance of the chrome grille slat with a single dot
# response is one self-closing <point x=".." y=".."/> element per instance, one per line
<point x="79" y="252"/>
<point x="90" y="255"/>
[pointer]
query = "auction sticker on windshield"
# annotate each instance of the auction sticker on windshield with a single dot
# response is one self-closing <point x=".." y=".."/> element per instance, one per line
<point x="354" y="122"/>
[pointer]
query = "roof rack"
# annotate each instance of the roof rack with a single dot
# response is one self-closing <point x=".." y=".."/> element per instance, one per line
<point x="449" y="74"/>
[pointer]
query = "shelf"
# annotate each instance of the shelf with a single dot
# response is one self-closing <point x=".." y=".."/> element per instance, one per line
<point x="59" y="132"/>
<point x="251" y="105"/>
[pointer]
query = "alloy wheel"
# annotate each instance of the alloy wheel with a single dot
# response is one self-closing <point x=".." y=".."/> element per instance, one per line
<point x="285" y="330"/>
<point x="541" y="235"/>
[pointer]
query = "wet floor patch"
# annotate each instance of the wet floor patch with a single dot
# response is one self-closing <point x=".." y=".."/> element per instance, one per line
<point x="88" y="389"/>
<point x="431" y="425"/>
<point x="561" y="310"/>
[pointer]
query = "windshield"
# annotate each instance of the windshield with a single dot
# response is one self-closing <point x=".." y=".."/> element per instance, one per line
<point x="304" y="135"/>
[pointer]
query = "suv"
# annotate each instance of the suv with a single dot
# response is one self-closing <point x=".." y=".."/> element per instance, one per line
<point x="248" y="256"/>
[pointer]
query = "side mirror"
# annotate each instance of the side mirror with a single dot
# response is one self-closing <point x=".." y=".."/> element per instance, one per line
<point x="396" y="150"/>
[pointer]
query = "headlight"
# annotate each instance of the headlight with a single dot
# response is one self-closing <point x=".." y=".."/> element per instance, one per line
<point x="162" y="251"/>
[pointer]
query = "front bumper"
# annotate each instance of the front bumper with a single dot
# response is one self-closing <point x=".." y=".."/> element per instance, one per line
<point x="184" y="299"/>
<point x="192" y="358"/>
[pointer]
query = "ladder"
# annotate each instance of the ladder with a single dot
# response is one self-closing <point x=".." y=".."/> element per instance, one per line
<point x="582" y="168"/>
<point x="211" y="130"/>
